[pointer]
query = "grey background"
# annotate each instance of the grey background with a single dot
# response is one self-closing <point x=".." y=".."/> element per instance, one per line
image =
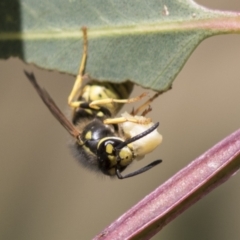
<point x="45" y="194"/>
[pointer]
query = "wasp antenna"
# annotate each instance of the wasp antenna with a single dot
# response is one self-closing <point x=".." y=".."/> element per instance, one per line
<point x="139" y="171"/>
<point x="52" y="106"/>
<point x="135" y="138"/>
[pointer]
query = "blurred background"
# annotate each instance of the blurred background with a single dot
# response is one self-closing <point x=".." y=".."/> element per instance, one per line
<point x="44" y="192"/>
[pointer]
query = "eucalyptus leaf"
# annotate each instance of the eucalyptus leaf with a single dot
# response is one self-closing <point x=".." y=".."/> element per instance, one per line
<point x="146" y="41"/>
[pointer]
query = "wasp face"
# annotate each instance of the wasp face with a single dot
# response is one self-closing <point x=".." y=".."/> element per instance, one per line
<point x="100" y="145"/>
<point x="110" y="158"/>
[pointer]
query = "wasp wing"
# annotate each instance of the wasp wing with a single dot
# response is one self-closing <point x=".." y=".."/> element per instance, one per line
<point x="52" y="106"/>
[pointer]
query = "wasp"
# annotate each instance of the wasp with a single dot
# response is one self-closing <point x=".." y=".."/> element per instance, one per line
<point x="103" y="142"/>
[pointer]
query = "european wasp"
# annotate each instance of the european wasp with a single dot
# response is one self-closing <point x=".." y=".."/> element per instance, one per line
<point x="102" y="142"/>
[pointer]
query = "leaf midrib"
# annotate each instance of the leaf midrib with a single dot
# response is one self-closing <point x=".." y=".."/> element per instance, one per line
<point x="230" y="23"/>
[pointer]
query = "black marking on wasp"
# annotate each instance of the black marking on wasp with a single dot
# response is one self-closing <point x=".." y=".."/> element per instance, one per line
<point x="100" y="140"/>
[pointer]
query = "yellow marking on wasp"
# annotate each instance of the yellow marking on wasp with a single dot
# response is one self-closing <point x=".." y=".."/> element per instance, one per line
<point x="88" y="135"/>
<point x="112" y="160"/>
<point x="100" y="114"/>
<point x="109" y="148"/>
<point x="126" y="156"/>
<point x="88" y="111"/>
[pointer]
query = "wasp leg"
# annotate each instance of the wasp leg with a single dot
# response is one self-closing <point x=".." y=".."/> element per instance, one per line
<point x="124" y="119"/>
<point x="145" y="105"/>
<point x="78" y="82"/>
<point x="146" y="111"/>
<point x="94" y="104"/>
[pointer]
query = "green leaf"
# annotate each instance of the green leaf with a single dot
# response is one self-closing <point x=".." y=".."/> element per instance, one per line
<point x="146" y="41"/>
